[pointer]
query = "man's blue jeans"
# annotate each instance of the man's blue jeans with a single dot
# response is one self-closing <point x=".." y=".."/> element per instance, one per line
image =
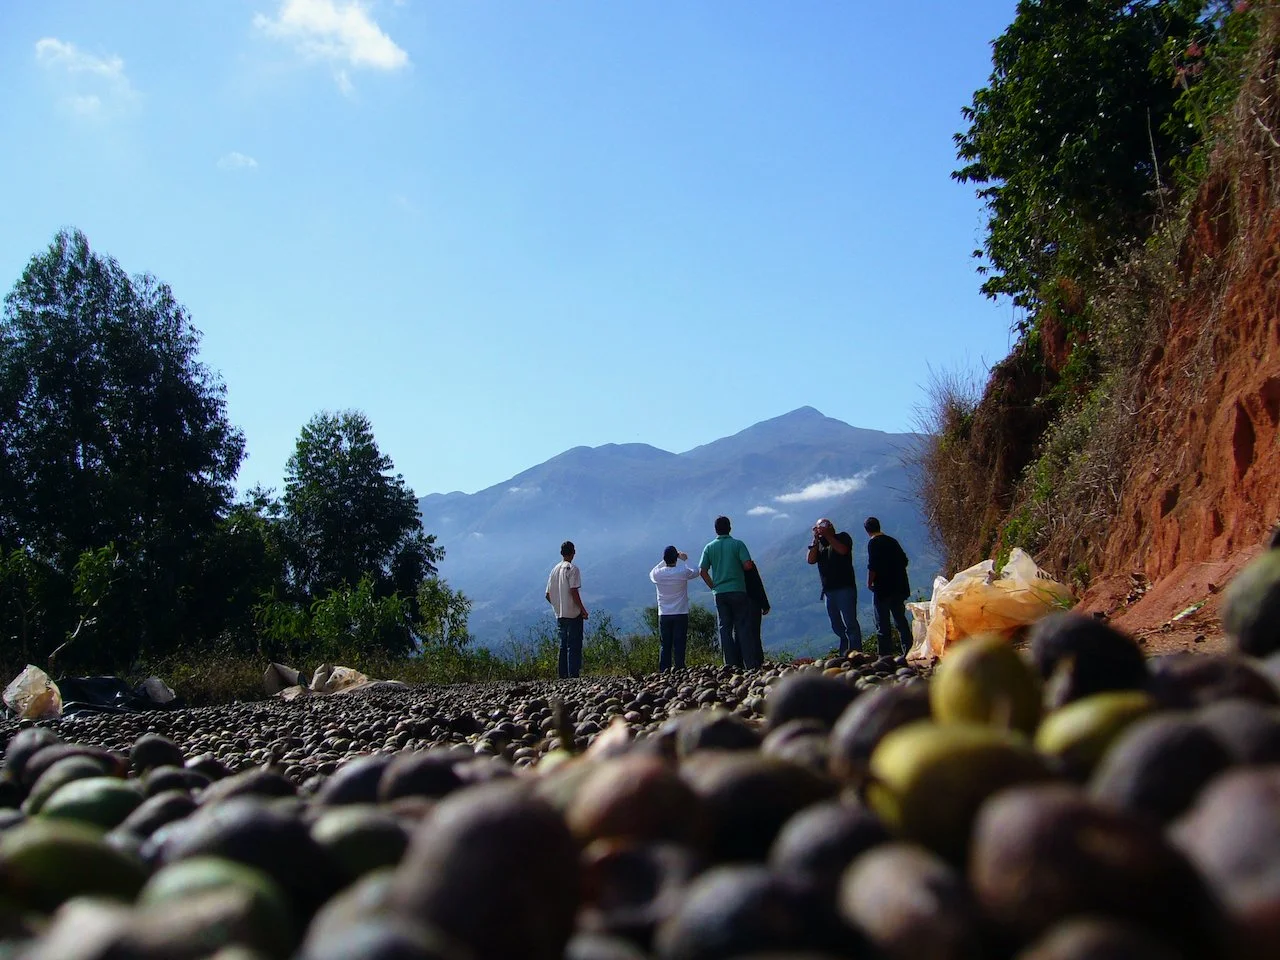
<point x="733" y="610"/>
<point x="570" y="646"/>
<point x="842" y="608"/>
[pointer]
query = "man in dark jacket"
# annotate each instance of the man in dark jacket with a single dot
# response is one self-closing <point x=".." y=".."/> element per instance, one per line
<point x="887" y="580"/>
<point x="753" y="650"/>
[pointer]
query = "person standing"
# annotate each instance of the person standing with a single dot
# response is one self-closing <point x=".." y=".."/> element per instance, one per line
<point x="563" y="593"/>
<point x="888" y="583"/>
<point x="672" y="581"/>
<point x="723" y="566"/>
<point x="753" y="652"/>
<point x="833" y="554"/>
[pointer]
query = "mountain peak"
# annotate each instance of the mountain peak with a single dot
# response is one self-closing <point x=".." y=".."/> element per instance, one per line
<point x="800" y="414"/>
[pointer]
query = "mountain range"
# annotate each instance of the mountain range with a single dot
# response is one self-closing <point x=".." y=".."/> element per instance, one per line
<point x="621" y="504"/>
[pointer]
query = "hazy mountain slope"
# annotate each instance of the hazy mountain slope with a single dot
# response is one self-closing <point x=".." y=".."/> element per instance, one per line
<point x="621" y="504"/>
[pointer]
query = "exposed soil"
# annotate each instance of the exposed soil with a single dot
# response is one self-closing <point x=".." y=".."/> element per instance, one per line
<point x="1178" y="612"/>
<point x="1204" y="498"/>
<point x="1210" y="491"/>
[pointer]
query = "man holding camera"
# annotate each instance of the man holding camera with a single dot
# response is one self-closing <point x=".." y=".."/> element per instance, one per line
<point x="833" y="554"/>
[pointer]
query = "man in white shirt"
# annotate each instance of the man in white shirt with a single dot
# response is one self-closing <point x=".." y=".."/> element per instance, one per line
<point x="673" y="606"/>
<point x="563" y="588"/>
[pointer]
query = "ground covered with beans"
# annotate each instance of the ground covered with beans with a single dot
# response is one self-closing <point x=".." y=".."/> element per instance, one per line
<point x="1075" y="799"/>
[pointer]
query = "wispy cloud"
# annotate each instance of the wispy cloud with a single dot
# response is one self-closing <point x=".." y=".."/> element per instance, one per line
<point x="235" y="160"/>
<point x="86" y="105"/>
<point x="94" y="86"/>
<point x="828" y="488"/>
<point x="341" y="33"/>
<point x="761" y="511"/>
<point x="524" y="490"/>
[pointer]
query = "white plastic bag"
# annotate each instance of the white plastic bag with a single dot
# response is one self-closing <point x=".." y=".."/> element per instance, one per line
<point x="279" y="677"/>
<point x="33" y="696"/>
<point x="343" y="678"/>
<point x="329" y="679"/>
<point x="977" y="601"/>
<point x="919" y="622"/>
<point x="158" y="691"/>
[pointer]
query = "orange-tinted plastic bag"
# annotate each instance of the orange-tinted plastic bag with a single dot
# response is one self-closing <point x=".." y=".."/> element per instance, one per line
<point x="977" y="601"/>
<point x="33" y="696"/>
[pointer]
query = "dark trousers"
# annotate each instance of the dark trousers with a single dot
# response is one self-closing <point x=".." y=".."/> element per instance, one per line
<point x="733" y="610"/>
<point x="892" y="609"/>
<point x="842" y="610"/>
<point x="570" y="646"/>
<point x="673" y="629"/>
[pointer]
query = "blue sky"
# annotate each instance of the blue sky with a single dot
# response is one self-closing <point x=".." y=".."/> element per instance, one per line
<point x="505" y="229"/>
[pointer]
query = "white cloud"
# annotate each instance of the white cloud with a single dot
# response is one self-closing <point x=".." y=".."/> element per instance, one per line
<point x="761" y="511"/>
<point x="93" y="86"/>
<point x="339" y="32"/>
<point x="87" y="105"/>
<point x="828" y="488"/>
<point x="235" y="160"/>
<point x="781" y="516"/>
<point x="57" y="53"/>
<point x="524" y="490"/>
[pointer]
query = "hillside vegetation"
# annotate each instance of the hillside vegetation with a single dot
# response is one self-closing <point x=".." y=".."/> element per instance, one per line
<point x="1132" y="187"/>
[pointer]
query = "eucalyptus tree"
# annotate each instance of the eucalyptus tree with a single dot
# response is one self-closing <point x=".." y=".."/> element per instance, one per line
<point x="112" y="432"/>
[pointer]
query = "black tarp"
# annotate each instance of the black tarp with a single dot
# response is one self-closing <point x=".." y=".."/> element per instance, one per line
<point x="107" y="695"/>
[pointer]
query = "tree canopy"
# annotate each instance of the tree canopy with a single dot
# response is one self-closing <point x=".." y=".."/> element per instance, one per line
<point x="1074" y="136"/>
<point x="117" y="522"/>
<point x="112" y="432"/>
<point x="346" y="515"/>
<point x="111" y="428"/>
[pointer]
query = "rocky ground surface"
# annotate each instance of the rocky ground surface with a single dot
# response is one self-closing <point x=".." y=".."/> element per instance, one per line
<point x="1077" y="798"/>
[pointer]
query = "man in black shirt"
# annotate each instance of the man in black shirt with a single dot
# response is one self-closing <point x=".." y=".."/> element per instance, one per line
<point x="833" y="553"/>
<point x="759" y="605"/>
<point x="887" y="580"/>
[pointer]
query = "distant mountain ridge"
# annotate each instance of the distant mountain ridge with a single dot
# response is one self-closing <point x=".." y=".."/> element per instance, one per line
<point x="622" y="503"/>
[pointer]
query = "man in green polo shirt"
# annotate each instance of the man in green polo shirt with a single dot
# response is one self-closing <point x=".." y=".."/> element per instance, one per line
<point x="723" y="567"/>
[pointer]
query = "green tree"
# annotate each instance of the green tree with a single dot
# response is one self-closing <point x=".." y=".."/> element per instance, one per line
<point x="1074" y="136"/>
<point x="24" y="587"/>
<point x="111" y="431"/>
<point x="239" y="564"/>
<point x="442" y="614"/>
<point x="345" y="515"/>
<point x="102" y="596"/>
<point x="1208" y="72"/>
<point x="351" y="621"/>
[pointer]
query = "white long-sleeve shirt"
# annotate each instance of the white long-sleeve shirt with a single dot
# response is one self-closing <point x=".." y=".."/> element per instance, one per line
<point x="673" y="587"/>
